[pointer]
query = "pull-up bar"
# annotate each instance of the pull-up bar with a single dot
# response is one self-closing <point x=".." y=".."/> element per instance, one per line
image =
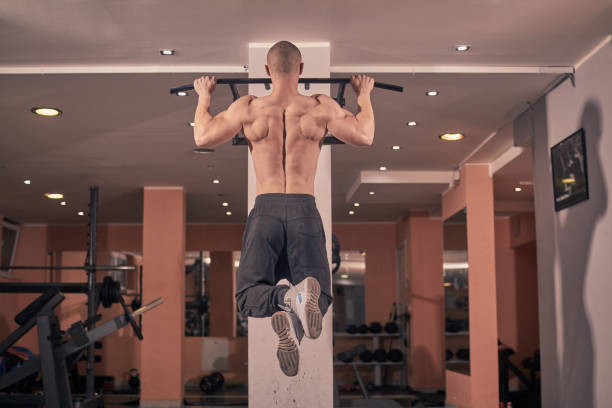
<point x="307" y="81"/>
<point x="240" y="140"/>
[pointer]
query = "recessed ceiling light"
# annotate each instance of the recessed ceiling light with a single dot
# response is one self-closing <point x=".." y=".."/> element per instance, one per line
<point x="462" y="48"/>
<point x="236" y="263"/>
<point x="216" y="181"/>
<point x="433" y="92"/>
<point x="228" y="213"/>
<point x="356" y="204"/>
<point x="371" y="193"/>
<point x="182" y="93"/>
<point x="225" y="203"/>
<point x="518" y="189"/>
<point x="383" y="168"/>
<point x="207" y="260"/>
<point x="411" y="123"/>
<point x="54" y="196"/>
<point x="396" y="147"/>
<point x="203" y="150"/>
<point x="81" y="213"/>
<point x="351" y="212"/>
<point x="192" y="124"/>
<point x="167" y="52"/>
<point x="63" y="203"/>
<point x="452" y="136"/>
<point x="27" y="182"/>
<point x="46" y="111"/>
<point x="344" y="276"/>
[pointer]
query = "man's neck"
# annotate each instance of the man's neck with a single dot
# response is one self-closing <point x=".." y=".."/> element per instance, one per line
<point x="284" y="86"/>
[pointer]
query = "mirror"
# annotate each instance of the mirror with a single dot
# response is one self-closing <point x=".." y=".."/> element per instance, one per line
<point x="456" y="305"/>
<point x="197" y="300"/>
<point x="242" y="322"/>
<point x="349" y="290"/>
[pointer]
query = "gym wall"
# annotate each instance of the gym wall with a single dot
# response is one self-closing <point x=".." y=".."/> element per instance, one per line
<point x="43" y="244"/>
<point x="574" y="244"/>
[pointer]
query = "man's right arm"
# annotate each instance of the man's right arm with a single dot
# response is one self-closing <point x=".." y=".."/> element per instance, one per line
<point x="358" y="129"/>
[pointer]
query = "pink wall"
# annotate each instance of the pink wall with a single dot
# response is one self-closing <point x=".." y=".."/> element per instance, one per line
<point x="425" y="299"/>
<point x="378" y="240"/>
<point x="522" y="230"/>
<point x="121" y="350"/>
<point x="507" y="321"/>
<point x="475" y="192"/>
<point x="163" y="253"/>
<point x="517" y="286"/>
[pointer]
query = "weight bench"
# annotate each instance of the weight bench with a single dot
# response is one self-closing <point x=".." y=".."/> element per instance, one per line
<point x="58" y="350"/>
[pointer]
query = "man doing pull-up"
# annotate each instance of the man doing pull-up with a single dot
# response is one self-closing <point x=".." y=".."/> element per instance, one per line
<point x="284" y="236"/>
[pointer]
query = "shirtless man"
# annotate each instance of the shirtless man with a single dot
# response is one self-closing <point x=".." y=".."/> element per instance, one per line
<point x="284" y="237"/>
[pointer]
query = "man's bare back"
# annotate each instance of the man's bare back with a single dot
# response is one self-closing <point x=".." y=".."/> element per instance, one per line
<point x="285" y="138"/>
<point x="285" y="132"/>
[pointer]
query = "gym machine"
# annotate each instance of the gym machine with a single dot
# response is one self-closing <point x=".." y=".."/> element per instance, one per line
<point x="107" y="292"/>
<point x="59" y="351"/>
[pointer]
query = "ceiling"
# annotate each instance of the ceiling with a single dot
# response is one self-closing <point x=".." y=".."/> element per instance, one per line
<point x="124" y="131"/>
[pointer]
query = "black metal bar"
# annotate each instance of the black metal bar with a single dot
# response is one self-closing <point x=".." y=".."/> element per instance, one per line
<point x="28" y="368"/>
<point x="24" y="328"/>
<point x="235" y="93"/>
<point x="329" y="140"/>
<point x="104" y="330"/>
<point x="340" y="95"/>
<point x="54" y="373"/>
<point x="380" y="85"/>
<point x="32" y="287"/>
<point x="91" y="285"/>
<point x="59" y="268"/>
<point x="41" y="287"/>
<point x="141" y="297"/>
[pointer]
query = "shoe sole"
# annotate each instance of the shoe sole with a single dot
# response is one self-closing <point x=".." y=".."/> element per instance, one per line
<point x="314" y="318"/>
<point x="288" y="353"/>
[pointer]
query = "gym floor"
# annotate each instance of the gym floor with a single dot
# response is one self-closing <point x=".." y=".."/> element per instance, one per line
<point x="224" y="400"/>
<point x="240" y="399"/>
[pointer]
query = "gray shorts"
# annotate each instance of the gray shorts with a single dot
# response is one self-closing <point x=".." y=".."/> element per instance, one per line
<point x="283" y="239"/>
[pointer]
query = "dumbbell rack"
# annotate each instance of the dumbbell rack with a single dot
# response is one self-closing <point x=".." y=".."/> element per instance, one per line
<point x="375" y="337"/>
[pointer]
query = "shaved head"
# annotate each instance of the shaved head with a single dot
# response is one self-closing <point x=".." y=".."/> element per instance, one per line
<point x="284" y="58"/>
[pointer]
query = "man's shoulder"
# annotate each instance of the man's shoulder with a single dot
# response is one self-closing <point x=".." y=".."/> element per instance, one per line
<point x="322" y="98"/>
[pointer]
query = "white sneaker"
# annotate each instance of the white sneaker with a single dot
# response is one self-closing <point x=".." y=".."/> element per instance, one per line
<point x="303" y="300"/>
<point x="288" y="352"/>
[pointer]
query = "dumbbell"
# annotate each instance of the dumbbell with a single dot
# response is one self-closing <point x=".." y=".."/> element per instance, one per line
<point x="463" y="354"/>
<point x="212" y="383"/>
<point x="449" y="354"/>
<point x="391" y="327"/>
<point x="395" y="355"/>
<point x="375" y="327"/>
<point x="134" y="381"/>
<point x="362" y="328"/>
<point x="366" y="356"/>
<point x="379" y="355"/>
<point x="351" y="329"/>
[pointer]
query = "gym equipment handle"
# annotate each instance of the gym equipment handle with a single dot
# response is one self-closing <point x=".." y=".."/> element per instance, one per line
<point x="230" y="81"/>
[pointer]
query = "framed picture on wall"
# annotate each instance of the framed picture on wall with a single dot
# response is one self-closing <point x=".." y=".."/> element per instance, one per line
<point x="569" y="171"/>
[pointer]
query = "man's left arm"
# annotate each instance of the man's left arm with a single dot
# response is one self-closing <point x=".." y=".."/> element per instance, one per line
<point x="212" y="131"/>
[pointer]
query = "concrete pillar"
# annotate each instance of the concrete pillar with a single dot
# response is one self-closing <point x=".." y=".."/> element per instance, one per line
<point x="313" y="386"/>
<point x="475" y="193"/>
<point x="163" y="247"/>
